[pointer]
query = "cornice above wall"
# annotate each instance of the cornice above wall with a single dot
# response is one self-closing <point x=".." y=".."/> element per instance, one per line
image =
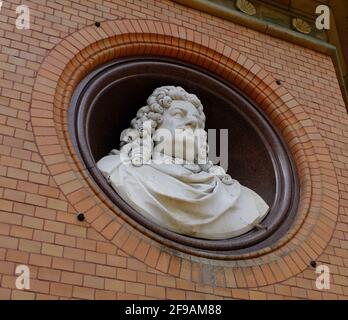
<point x="277" y="20"/>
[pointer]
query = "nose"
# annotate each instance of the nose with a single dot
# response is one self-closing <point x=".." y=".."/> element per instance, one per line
<point x="192" y="122"/>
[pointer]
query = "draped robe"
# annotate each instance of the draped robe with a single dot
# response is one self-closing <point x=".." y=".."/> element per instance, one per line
<point x="194" y="204"/>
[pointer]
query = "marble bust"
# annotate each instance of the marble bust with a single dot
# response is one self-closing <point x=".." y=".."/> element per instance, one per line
<point x="162" y="171"/>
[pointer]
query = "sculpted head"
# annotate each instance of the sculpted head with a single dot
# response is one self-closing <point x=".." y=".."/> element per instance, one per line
<point x="169" y="109"/>
<point x="182" y="115"/>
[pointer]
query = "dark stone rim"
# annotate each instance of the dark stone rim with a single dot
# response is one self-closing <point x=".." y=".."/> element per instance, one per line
<point x="286" y="200"/>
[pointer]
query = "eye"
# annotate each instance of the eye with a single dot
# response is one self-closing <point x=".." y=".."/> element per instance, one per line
<point x="178" y="113"/>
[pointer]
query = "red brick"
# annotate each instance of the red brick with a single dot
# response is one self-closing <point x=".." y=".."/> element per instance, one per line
<point x="49" y="274"/>
<point x="62" y="264"/>
<point x="93" y="282"/>
<point x="83" y="293"/>
<point x="62" y="290"/>
<point x="38" y="216"/>
<point x="72" y="278"/>
<point x="156" y="292"/>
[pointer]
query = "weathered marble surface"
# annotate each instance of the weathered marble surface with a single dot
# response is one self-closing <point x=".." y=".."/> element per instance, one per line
<point x="168" y="181"/>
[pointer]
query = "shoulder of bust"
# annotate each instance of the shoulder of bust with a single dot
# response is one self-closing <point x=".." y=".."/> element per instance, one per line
<point x="108" y="163"/>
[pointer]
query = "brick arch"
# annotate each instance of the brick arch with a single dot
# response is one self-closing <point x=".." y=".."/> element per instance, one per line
<point x="78" y="54"/>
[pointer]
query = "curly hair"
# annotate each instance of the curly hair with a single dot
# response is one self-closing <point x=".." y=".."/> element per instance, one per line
<point x="160" y="100"/>
<point x="157" y="103"/>
<point x="152" y="116"/>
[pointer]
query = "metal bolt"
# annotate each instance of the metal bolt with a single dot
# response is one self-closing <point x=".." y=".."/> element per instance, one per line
<point x="81" y="216"/>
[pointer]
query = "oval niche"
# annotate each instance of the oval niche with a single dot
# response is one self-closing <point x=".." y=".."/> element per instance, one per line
<point x="107" y="100"/>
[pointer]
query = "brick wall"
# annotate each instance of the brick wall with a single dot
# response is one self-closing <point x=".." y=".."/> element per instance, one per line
<point x="72" y="259"/>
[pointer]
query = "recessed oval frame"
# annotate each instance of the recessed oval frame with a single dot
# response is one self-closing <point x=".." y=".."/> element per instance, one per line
<point x="286" y="199"/>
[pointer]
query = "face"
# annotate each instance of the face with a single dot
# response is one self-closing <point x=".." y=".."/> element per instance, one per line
<point x="180" y="122"/>
<point x="181" y="115"/>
